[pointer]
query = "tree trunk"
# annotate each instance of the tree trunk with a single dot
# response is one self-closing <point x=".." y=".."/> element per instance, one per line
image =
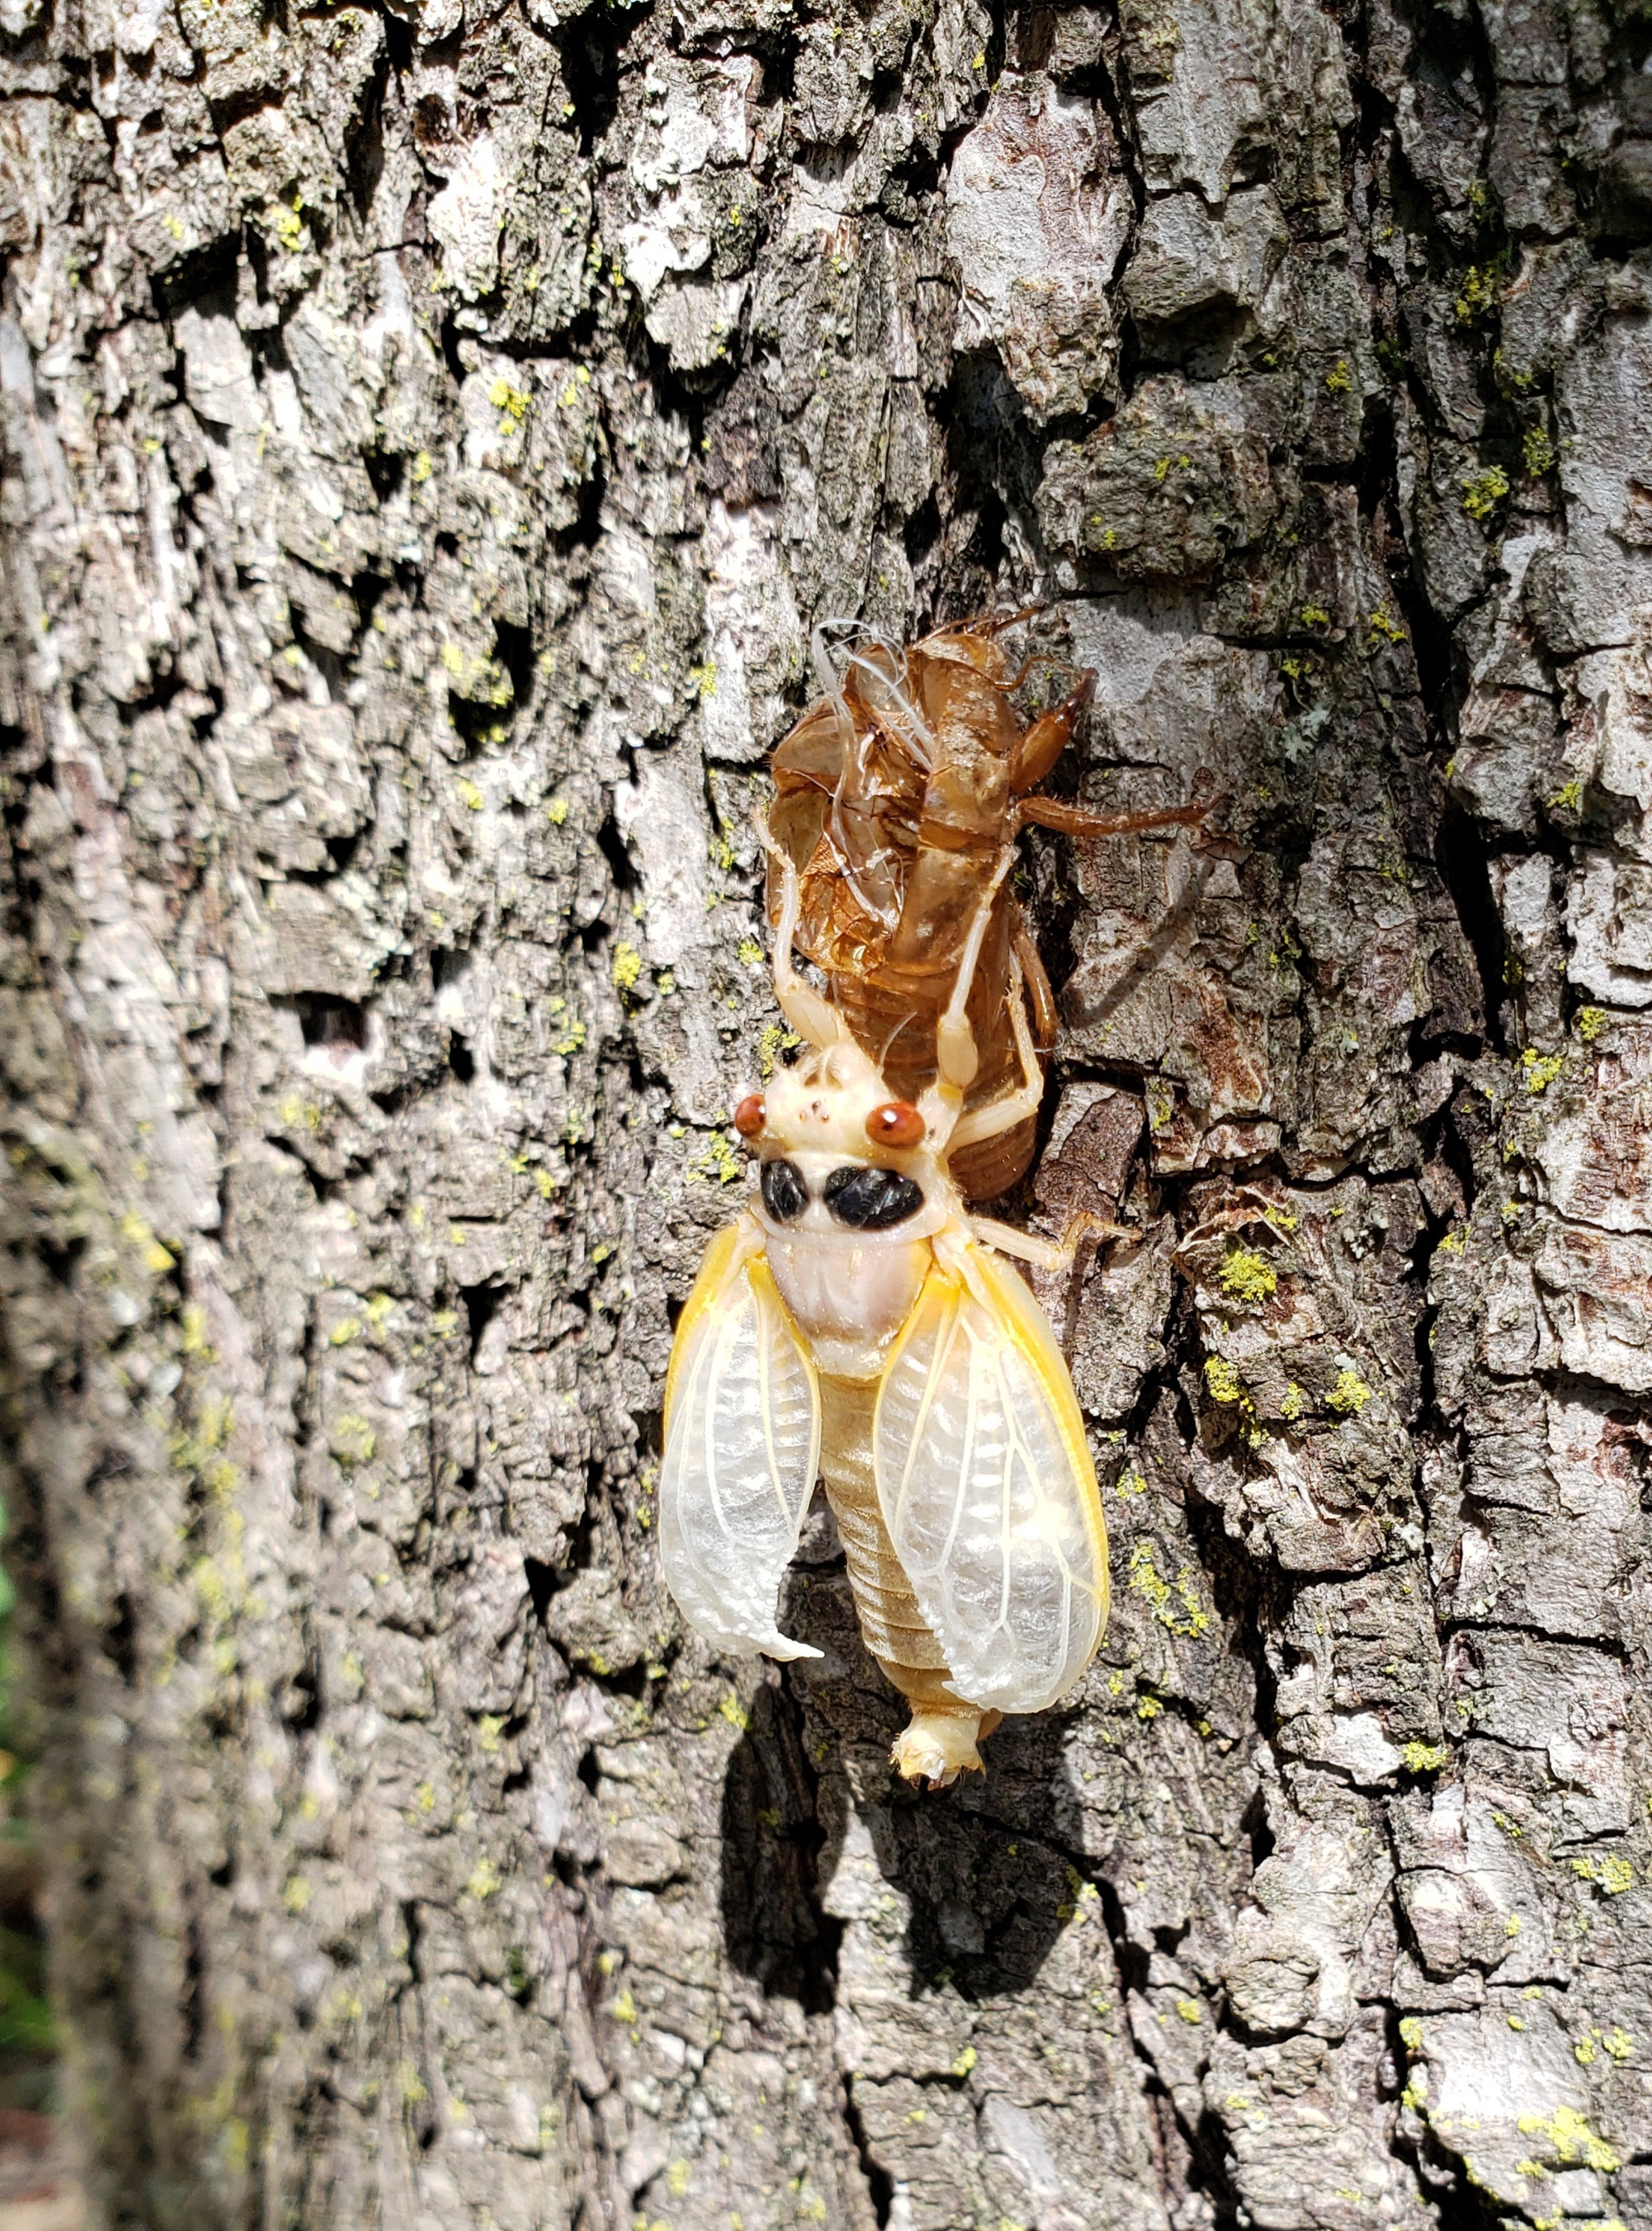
<point x="428" y="438"/>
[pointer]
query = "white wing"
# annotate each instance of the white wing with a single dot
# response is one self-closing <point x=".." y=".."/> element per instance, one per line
<point x="987" y="1489"/>
<point x="742" y="1449"/>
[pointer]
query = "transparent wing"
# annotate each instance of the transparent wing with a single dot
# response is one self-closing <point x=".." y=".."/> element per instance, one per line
<point x="987" y="1489"/>
<point x="742" y="1448"/>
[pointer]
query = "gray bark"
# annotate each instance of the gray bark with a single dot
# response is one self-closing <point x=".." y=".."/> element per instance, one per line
<point x="429" y="434"/>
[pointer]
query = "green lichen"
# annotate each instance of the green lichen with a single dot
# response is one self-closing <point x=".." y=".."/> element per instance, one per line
<point x="1387" y="630"/>
<point x="1539" y="452"/>
<point x="1483" y="491"/>
<point x="1315" y="616"/>
<point x="1480" y="289"/>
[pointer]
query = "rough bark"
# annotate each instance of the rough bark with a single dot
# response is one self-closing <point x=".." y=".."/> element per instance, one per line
<point x="430" y="433"/>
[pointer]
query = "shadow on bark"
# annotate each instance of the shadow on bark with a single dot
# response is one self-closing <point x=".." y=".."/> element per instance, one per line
<point x="981" y="1868"/>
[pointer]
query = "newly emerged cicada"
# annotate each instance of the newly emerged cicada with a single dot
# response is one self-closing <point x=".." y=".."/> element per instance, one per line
<point x="855" y="1322"/>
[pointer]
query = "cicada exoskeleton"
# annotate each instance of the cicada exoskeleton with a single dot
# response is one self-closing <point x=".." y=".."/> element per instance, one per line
<point x="898" y="797"/>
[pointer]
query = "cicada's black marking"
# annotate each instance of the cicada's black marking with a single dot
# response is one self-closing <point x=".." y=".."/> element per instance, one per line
<point x="871" y="1200"/>
<point x="784" y="1196"/>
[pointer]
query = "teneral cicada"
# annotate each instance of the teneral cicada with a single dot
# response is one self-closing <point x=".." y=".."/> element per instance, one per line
<point x="898" y="797"/>
<point x="854" y="1322"/>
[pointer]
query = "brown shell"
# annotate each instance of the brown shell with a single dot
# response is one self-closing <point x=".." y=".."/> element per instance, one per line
<point x="896" y="803"/>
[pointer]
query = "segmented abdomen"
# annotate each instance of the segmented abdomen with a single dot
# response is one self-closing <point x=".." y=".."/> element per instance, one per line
<point x="891" y="1622"/>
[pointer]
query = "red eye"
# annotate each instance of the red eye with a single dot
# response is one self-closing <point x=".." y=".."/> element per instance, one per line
<point x="897" y="1123"/>
<point x="750" y="1115"/>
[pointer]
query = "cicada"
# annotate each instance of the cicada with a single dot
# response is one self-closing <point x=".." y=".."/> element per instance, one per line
<point x="899" y="796"/>
<point x="855" y="1322"/>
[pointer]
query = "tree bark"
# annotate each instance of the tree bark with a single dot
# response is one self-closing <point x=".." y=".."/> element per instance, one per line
<point x="430" y="433"/>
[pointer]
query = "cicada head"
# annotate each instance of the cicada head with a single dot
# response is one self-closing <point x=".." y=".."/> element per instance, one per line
<point x="852" y="1188"/>
<point x="828" y="1132"/>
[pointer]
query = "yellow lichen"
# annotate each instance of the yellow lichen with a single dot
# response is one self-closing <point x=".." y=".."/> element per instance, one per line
<point x="1571" y="2138"/>
<point x="514" y="402"/>
<point x="1247" y="1277"/>
<point x="1223" y="1381"/>
<point x="1163" y="1596"/>
<point x="1349" y="1394"/>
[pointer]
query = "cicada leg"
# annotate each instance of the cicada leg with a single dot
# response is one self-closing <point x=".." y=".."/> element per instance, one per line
<point x="1014" y="1107"/>
<point x="955" y="1057"/>
<point x="1049" y="736"/>
<point x="1048" y="1254"/>
<point x="809" y="1015"/>
<point x="1046" y="1019"/>
<point x="1002" y="1116"/>
<point x="1080" y="821"/>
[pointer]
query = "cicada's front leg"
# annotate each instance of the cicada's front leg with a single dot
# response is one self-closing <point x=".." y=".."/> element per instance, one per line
<point x="813" y="1018"/>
